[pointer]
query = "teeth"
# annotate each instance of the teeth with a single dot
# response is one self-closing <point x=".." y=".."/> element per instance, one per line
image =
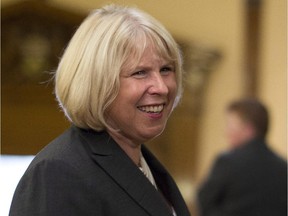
<point x="152" y="109"/>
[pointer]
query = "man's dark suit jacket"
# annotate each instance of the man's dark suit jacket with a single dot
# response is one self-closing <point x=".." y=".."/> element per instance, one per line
<point x="249" y="181"/>
<point x="84" y="172"/>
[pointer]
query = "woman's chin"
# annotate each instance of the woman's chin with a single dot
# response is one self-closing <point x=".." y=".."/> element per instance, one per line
<point x="152" y="133"/>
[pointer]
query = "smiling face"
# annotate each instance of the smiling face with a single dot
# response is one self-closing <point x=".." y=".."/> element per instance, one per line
<point x="145" y="99"/>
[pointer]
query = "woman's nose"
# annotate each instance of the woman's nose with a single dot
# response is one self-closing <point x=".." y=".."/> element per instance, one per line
<point x="158" y="85"/>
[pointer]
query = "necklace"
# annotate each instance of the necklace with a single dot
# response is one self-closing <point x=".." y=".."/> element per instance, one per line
<point x="143" y="171"/>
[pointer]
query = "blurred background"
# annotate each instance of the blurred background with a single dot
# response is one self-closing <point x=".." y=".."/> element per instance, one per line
<point x="231" y="49"/>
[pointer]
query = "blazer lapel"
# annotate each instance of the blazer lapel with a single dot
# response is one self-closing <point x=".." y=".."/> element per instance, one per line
<point x="166" y="184"/>
<point x="107" y="154"/>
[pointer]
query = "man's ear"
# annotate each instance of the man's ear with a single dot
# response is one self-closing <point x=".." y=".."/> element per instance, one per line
<point x="250" y="131"/>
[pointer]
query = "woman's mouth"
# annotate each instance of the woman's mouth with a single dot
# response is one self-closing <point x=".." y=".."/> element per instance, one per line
<point x="152" y="108"/>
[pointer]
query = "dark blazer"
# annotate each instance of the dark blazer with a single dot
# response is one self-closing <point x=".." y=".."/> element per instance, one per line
<point x="84" y="172"/>
<point x="249" y="181"/>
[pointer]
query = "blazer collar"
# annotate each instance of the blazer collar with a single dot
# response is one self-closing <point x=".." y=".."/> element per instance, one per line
<point x="166" y="183"/>
<point x="107" y="154"/>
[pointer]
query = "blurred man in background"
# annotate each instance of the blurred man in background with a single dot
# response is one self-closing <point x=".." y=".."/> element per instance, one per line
<point x="249" y="179"/>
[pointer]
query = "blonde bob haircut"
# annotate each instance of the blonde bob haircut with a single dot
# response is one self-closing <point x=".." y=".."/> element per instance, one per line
<point x="87" y="78"/>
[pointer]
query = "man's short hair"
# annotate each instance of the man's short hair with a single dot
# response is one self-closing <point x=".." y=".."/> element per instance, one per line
<point x="252" y="111"/>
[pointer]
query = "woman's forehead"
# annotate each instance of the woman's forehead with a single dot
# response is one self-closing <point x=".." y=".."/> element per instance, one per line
<point x="142" y="59"/>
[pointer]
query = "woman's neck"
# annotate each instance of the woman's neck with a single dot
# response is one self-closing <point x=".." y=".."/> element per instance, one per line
<point x="132" y="149"/>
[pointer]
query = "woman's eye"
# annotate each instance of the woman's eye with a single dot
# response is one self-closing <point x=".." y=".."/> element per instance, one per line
<point x="167" y="69"/>
<point x="139" y="74"/>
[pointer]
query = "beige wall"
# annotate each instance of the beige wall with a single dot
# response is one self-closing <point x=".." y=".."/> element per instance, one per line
<point x="273" y="79"/>
<point x="219" y="24"/>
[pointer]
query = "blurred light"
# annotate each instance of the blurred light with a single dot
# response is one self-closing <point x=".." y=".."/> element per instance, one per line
<point x="12" y="168"/>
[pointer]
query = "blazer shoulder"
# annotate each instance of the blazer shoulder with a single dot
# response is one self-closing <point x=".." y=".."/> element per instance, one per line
<point x="67" y="148"/>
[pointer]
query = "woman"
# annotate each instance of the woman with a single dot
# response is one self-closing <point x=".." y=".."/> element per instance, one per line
<point x="117" y="82"/>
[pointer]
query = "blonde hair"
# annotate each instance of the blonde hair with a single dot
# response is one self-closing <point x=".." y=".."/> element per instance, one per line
<point x="87" y="78"/>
